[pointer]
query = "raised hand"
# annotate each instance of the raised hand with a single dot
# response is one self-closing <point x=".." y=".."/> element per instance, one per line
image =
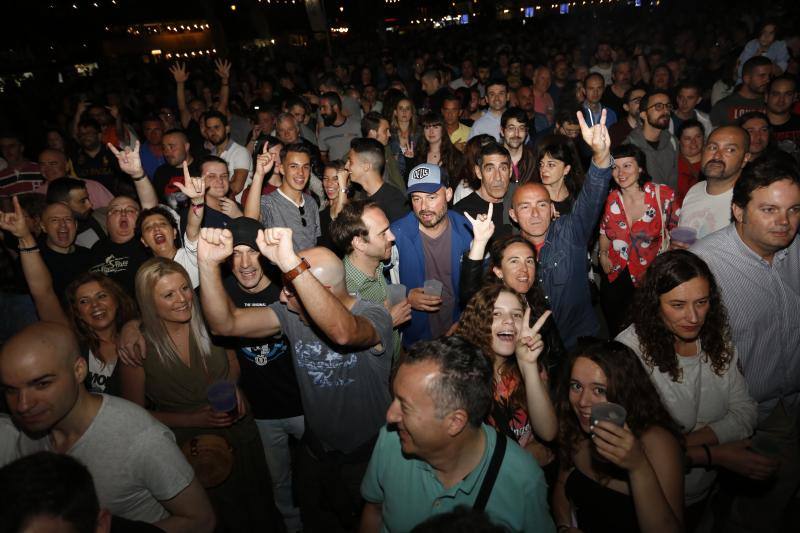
<point x="113" y="111"/>
<point x="482" y="225"/>
<point x="223" y="68"/>
<point x="129" y="161"/>
<point x="193" y="188"/>
<point x="264" y="162"/>
<point x="214" y="246"/>
<point x="276" y="245"/>
<point x="598" y="138"/>
<point x="15" y="222"/>
<point x="530" y="344"/>
<point x="83" y="105"/>
<point x="179" y="72"/>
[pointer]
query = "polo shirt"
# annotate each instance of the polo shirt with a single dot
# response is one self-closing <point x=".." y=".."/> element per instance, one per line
<point x="460" y="135"/>
<point x="372" y="289"/>
<point x="410" y="493"/>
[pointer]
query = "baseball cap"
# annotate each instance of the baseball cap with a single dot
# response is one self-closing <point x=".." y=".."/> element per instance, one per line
<point x="425" y="178"/>
<point x="245" y="231"/>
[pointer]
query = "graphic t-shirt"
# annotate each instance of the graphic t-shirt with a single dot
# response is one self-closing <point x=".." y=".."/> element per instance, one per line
<point x="119" y="262"/>
<point x="267" y="373"/>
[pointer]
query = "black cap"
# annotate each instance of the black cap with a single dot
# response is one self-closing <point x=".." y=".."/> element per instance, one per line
<point x="245" y="231"/>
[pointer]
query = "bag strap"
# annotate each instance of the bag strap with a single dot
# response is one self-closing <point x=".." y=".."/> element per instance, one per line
<point x="664" y="242"/>
<point x="491" y="474"/>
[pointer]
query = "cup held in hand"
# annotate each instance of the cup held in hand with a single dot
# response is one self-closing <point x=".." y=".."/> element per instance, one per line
<point x="222" y="397"/>
<point x="432" y="287"/>
<point x="396" y="293"/>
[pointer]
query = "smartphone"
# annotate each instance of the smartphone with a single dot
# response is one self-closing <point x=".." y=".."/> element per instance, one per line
<point x="612" y="412"/>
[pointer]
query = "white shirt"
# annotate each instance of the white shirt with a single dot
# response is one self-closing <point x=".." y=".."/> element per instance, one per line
<point x="704" y="212"/>
<point x="702" y="398"/>
<point x="238" y="157"/>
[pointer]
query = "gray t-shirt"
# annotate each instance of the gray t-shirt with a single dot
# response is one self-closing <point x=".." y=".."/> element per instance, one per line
<point x="277" y="211"/>
<point x="345" y="393"/>
<point x="132" y="457"/>
<point x="438" y="265"/>
<point x="336" y="139"/>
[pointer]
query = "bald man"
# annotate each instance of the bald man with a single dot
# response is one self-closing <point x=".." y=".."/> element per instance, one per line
<point x="561" y="244"/>
<point x="138" y="470"/>
<point x="342" y="349"/>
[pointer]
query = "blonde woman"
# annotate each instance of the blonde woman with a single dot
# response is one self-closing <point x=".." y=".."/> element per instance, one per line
<point x="180" y="364"/>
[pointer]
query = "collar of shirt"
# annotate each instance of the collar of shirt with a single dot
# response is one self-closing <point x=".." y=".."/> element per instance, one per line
<point x="302" y="198"/>
<point x="358" y="281"/>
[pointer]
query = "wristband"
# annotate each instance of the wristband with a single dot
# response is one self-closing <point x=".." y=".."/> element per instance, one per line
<point x="289" y="276"/>
<point x="708" y="454"/>
<point x="34" y="248"/>
<point x="140" y="178"/>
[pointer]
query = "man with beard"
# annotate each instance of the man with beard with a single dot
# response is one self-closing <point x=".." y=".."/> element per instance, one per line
<point x="514" y="129"/>
<point x="363" y="233"/>
<point x="96" y="162"/>
<point x="240" y="164"/>
<point x="121" y="254"/>
<point x="53" y="165"/>
<point x="335" y="136"/>
<point x="707" y="205"/>
<point x="620" y="131"/>
<point x="73" y="192"/>
<point x="151" y="152"/>
<point x="176" y="149"/>
<point x="561" y="242"/>
<point x="654" y="139"/>
<point x="756" y="124"/>
<point x="748" y="97"/>
<point x="430" y="242"/>
<point x="493" y="170"/>
<point x="267" y="374"/>
<point x="365" y="164"/>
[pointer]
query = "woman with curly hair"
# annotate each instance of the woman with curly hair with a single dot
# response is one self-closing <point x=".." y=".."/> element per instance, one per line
<point x="612" y="478"/>
<point x="435" y="147"/>
<point x="512" y="260"/>
<point x="560" y="170"/>
<point x="680" y="332"/>
<point x="521" y="406"/>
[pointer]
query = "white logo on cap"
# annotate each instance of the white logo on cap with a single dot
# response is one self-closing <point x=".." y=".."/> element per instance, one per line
<point x="420" y="173"/>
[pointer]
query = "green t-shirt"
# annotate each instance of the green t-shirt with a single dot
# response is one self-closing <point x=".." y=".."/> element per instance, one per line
<point x="409" y="491"/>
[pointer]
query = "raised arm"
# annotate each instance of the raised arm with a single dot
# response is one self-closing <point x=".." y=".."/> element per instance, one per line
<point x="195" y="190"/>
<point x="180" y="75"/>
<point x="83" y="105"/>
<point x="264" y="163"/>
<point x="223" y="317"/>
<point x="40" y="281"/>
<point x="131" y="164"/>
<point x="529" y="347"/>
<point x="323" y="307"/>
<point x="224" y="73"/>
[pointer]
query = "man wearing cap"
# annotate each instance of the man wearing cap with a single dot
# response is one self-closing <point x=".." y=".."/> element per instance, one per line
<point x="341" y="349"/>
<point x="267" y="374"/>
<point x="430" y="242"/>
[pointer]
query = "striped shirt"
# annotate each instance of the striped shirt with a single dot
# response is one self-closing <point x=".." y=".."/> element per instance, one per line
<point x="763" y="302"/>
<point x="372" y="289"/>
<point x="23" y="179"/>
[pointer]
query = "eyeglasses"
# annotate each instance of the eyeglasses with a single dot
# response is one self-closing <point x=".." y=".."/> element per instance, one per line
<point x="660" y="106"/>
<point x="302" y="215"/>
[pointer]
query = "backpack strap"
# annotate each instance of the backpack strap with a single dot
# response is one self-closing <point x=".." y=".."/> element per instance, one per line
<point x="491" y="474"/>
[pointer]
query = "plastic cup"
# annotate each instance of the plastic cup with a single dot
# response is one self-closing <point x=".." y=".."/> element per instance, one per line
<point x="396" y="293"/>
<point x="684" y="234"/>
<point x="432" y="287"/>
<point x="222" y="397"/>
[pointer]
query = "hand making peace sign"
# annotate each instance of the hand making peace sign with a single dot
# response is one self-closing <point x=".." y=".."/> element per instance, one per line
<point x="530" y="344"/>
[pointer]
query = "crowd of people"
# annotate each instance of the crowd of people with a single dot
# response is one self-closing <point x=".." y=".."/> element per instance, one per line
<point x="493" y="288"/>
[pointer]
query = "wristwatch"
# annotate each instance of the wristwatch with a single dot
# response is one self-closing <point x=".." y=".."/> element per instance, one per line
<point x="289" y="276"/>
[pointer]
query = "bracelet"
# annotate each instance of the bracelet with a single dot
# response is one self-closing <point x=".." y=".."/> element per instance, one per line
<point x="34" y="248"/>
<point x="708" y="454"/>
<point x="140" y="178"/>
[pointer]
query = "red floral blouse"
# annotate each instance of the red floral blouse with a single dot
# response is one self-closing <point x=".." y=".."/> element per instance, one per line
<point x="638" y="246"/>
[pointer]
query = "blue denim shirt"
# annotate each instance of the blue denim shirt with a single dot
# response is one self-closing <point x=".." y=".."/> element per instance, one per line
<point x="563" y="263"/>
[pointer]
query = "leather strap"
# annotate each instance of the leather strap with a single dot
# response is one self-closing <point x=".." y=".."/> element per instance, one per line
<point x="491" y="474"/>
